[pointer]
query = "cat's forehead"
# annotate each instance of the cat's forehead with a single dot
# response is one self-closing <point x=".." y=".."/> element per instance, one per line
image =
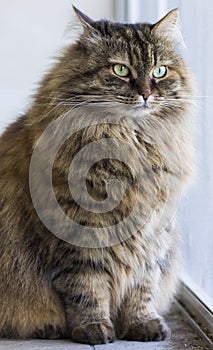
<point x="132" y="44"/>
<point x="134" y="34"/>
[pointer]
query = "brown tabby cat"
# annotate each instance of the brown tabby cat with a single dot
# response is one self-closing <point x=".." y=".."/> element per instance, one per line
<point x="121" y="83"/>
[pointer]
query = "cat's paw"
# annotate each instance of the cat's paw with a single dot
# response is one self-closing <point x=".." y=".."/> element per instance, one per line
<point x="149" y="329"/>
<point x="94" y="333"/>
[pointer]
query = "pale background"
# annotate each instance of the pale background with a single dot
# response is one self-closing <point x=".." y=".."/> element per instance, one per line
<point x="31" y="32"/>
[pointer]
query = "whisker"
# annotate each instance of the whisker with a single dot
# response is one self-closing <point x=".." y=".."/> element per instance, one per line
<point x="111" y="101"/>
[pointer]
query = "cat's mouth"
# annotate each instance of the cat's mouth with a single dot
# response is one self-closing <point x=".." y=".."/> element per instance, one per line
<point x="140" y="107"/>
<point x="142" y="103"/>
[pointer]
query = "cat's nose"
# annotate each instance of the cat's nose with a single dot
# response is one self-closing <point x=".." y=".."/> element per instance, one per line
<point x="143" y="88"/>
<point x="146" y="93"/>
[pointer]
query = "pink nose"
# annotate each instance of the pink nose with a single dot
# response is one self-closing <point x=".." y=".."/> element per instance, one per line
<point x="146" y="93"/>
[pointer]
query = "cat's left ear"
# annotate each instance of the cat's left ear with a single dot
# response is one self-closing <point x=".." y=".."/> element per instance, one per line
<point x="168" y="29"/>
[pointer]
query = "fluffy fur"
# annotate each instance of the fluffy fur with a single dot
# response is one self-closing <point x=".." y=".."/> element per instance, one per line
<point x="50" y="288"/>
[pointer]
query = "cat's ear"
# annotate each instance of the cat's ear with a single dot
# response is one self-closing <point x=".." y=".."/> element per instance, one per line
<point x="168" y="29"/>
<point x="86" y="22"/>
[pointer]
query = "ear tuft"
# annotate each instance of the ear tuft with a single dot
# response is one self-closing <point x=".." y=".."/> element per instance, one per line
<point x="167" y="28"/>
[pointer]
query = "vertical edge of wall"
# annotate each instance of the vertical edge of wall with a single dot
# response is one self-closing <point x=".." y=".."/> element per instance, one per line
<point x="120" y="10"/>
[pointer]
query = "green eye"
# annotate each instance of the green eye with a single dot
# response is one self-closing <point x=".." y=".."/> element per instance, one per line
<point x="121" y="70"/>
<point x="159" y="72"/>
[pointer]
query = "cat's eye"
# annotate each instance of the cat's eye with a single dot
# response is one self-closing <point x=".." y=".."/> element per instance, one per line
<point x="159" y="72"/>
<point x="121" y="70"/>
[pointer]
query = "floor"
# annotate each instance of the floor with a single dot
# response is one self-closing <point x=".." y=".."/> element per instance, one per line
<point x="183" y="337"/>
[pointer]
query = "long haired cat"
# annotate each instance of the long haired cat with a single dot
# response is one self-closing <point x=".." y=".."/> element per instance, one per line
<point x="88" y="245"/>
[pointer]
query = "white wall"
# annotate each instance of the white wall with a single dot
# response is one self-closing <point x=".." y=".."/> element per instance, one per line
<point x="30" y="33"/>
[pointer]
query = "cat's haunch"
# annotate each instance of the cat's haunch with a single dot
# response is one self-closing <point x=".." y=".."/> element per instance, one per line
<point x="90" y="180"/>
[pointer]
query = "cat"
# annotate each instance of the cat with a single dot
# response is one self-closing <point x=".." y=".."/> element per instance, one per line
<point x="125" y="89"/>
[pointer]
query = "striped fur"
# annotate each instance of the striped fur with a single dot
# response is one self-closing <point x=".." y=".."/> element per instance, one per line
<point x="50" y="288"/>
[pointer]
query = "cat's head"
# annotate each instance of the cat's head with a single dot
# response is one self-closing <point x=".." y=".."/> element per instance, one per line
<point x="133" y="67"/>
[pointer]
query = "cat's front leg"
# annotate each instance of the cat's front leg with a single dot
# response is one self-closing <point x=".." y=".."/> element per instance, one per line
<point x="87" y="303"/>
<point x="139" y="319"/>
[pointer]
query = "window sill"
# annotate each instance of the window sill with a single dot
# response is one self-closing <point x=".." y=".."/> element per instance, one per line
<point x="183" y="337"/>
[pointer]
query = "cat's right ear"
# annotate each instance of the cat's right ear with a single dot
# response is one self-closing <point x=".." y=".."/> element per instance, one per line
<point x="87" y="23"/>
